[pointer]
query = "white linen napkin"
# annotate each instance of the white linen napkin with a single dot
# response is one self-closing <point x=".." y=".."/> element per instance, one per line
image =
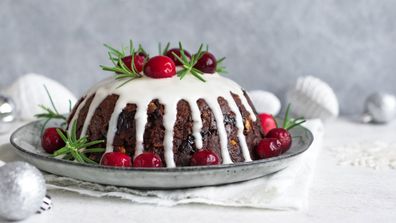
<point x="285" y="190"/>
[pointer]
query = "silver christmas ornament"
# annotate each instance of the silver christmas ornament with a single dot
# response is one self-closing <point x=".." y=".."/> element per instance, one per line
<point x="313" y="98"/>
<point x="379" y="108"/>
<point x="7" y="113"/>
<point x="22" y="190"/>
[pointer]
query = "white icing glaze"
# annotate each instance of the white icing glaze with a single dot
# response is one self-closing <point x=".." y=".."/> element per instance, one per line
<point x="169" y="91"/>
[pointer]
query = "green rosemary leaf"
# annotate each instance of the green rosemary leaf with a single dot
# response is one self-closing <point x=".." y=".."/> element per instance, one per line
<point x="94" y="150"/>
<point x="286" y="121"/>
<point x="197" y="75"/>
<point x="86" y="159"/>
<point x="50" y="98"/>
<point x="295" y="124"/>
<point x="183" y="55"/>
<point x="125" y="82"/>
<point x="122" y="76"/>
<point x="166" y="48"/>
<point x="141" y="50"/>
<point x="182" y="73"/>
<point x="131" y="49"/>
<point x="64" y="138"/>
<point x="114" y="69"/>
<point x="85" y="145"/>
<point x="123" y="66"/>
<point x="114" y="51"/>
<point x="73" y="133"/>
<point x="70" y="106"/>
<point x="113" y="59"/>
<point x="178" y="58"/>
<point x="77" y="156"/>
<point x="61" y="151"/>
<point x="219" y="61"/>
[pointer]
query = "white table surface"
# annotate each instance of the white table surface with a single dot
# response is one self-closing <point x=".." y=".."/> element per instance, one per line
<point x="338" y="193"/>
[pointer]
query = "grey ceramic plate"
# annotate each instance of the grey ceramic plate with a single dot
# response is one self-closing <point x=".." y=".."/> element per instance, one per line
<point x="26" y="140"/>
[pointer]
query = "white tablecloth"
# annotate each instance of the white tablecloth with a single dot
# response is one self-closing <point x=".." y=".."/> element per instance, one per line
<point x="338" y="193"/>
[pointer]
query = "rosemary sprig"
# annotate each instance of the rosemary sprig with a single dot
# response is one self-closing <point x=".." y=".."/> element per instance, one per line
<point x="188" y="64"/>
<point x="122" y="70"/>
<point x="75" y="149"/>
<point x="163" y="52"/>
<point x="290" y="123"/>
<point x="51" y="113"/>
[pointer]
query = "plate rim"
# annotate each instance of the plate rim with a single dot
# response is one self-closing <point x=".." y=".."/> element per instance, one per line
<point x="160" y="169"/>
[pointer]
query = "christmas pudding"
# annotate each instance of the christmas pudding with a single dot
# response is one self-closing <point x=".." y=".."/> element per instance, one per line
<point x="171" y="115"/>
<point x="170" y="110"/>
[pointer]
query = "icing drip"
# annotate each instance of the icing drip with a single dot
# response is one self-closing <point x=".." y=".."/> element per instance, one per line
<point x="240" y="126"/>
<point x="170" y="91"/>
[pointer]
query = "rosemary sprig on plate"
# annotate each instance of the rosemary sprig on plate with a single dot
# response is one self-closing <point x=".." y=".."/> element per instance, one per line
<point x="76" y="148"/>
<point x="289" y="123"/>
<point x="50" y="113"/>
<point x="188" y="64"/>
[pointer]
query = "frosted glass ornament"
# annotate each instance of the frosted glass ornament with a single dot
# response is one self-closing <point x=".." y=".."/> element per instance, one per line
<point x="313" y="98"/>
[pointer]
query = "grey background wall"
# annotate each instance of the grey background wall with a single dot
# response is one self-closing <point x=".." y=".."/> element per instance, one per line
<point x="268" y="43"/>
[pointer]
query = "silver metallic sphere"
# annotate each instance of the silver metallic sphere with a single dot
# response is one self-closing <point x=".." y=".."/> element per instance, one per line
<point x="379" y="108"/>
<point x="7" y="113"/>
<point x="22" y="190"/>
<point x="7" y="109"/>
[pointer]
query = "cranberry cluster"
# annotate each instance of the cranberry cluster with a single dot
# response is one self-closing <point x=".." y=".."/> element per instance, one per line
<point x="163" y="66"/>
<point x="277" y="140"/>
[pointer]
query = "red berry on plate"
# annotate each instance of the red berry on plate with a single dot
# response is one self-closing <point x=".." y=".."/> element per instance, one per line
<point x="170" y="52"/>
<point x="204" y="158"/>
<point x="207" y="63"/>
<point x="116" y="159"/>
<point x="139" y="60"/>
<point x="283" y="136"/>
<point x="268" y="147"/>
<point x="160" y="67"/>
<point x="267" y="122"/>
<point x="147" y="159"/>
<point x="51" y="140"/>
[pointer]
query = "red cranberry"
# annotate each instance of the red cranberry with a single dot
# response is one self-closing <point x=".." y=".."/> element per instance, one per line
<point x="116" y="159"/>
<point x="139" y="60"/>
<point x="267" y="122"/>
<point x="283" y="136"/>
<point x="51" y="140"/>
<point x="207" y="63"/>
<point x="170" y="52"/>
<point x="147" y="159"/>
<point x="268" y="147"/>
<point x="160" y="67"/>
<point x="204" y="158"/>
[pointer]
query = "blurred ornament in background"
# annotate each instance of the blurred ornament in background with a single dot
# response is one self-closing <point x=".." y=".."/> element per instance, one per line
<point x="22" y="191"/>
<point x="28" y="92"/>
<point x="379" y="108"/>
<point x="265" y="102"/>
<point x="313" y="98"/>
<point x="7" y="113"/>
